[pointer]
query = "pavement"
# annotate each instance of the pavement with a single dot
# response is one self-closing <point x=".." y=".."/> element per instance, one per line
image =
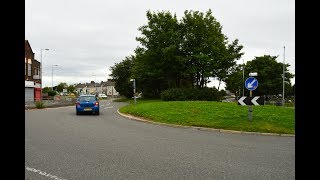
<point x="53" y="103"/>
<point x="49" y="104"/>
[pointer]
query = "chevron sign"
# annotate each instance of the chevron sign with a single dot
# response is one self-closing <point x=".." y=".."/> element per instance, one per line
<point x="257" y="100"/>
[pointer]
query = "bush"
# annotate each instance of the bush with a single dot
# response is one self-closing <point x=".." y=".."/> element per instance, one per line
<point x="174" y="94"/>
<point x="39" y="104"/>
<point x="49" y="91"/>
<point x="188" y="94"/>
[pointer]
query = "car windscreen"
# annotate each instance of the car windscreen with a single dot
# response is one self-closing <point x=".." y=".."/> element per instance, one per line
<point x="87" y="98"/>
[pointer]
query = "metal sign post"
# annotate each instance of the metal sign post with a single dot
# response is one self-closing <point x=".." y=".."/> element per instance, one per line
<point x="134" y="91"/>
<point x="250" y="109"/>
<point x="251" y="84"/>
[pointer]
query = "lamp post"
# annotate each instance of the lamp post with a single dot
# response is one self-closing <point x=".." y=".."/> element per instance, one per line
<point x="52" y="76"/>
<point x="250" y="106"/>
<point x="41" y="72"/>
<point x="134" y="90"/>
<point x="243" y="79"/>
<point x="283" y="76"/>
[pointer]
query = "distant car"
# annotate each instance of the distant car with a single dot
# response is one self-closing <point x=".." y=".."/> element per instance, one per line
<point x="87" y="104"/>
<point x="102" y="96"/>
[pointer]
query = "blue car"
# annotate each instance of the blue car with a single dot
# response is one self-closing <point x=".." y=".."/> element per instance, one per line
<point x="87" y="104"/>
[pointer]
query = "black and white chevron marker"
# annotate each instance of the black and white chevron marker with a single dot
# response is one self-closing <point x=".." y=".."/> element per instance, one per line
<point x="257" y="100"/>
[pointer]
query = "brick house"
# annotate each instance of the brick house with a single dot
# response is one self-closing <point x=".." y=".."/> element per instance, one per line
<point x="31" y="75"/>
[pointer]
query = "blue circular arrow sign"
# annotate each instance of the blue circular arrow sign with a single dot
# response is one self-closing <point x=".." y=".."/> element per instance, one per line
<point x="251" y="83"/>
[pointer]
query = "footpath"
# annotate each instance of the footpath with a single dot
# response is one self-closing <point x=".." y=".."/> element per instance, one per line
<point x="54" y="103"/>
<point x="49" y="104"/>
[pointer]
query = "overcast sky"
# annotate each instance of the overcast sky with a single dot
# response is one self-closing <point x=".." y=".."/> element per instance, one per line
<point x="86" y="37"/>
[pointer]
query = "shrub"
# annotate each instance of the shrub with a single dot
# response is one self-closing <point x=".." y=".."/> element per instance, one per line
<point x="174" y="94"/>
<point x="39" y="104"/>
<point x="49" y="91"/>
<point x="192" y="94"/>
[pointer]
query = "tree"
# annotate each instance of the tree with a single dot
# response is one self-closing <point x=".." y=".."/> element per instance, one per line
<point x="45" y="90"/>
<point x="227" y="63"/>
<point x="121" y="74"/>
<point x="49" y="91"/>
<point x="61" y="86"/>
<point x="207" y="48"/>
<point x="178" y="54"/>
<point x="269" y="76"/>
<point x="159" y="63"/>
<point x="234" y="81"/>
<point x="71" y="89"/>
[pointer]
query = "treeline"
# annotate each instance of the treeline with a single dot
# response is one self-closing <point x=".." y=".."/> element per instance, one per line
<point x="176" y="53"/>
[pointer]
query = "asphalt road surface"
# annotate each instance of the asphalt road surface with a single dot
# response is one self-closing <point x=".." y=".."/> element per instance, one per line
<point x="61" y="145"/>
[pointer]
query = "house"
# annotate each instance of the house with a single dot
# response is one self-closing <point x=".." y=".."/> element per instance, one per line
<point x="109" y="89"/>
<point x="106" y="87"/>
<point x="80" y="88"/>
<point x="31" y="75"/>
<point x="91" y="87"/>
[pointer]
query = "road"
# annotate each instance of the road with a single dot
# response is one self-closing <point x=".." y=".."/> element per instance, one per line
<point x="61" y="145"/>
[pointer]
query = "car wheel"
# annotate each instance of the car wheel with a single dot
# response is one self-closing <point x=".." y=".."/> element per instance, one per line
<point x="97" y="113"/>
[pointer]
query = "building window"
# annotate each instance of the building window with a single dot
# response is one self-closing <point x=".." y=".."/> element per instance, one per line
<point x="29" y="69"/>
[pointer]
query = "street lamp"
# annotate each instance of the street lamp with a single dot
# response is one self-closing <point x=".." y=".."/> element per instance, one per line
<point x="243" y="79"/>
<point x="283" y="76"/>
<point x="134" y="90"/>
<point x="52" y="76"/>
<point x="41" y="72"/>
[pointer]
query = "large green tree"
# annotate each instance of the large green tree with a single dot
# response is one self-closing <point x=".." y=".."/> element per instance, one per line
<point x="227" y="64"/>
<point x="49" y="91"/>
<point x="179" y="54"/>
<point x="270" y="73"/>
<point x="159" y="62"/>
<point x="121" y="74"/>
<point x="71" y="89"/>
<point x="234" y="81"/>
<point x="206" y="48"/>
<point x="61" y="86"/>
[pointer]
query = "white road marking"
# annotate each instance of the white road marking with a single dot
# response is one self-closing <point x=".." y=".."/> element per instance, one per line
<point x="43" y="173"/>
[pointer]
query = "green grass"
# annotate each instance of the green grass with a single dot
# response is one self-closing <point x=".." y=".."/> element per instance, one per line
<point x="220" y="115"/>
<point x="120" y="100"/>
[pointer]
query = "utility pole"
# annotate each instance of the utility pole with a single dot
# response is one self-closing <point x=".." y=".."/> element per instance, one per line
<point x="134" y="91"/>
<point x="243" y="79"/>
<point x="283" y="76"/>
<point x="52" y="76"/>
<point x="41" y="81"/>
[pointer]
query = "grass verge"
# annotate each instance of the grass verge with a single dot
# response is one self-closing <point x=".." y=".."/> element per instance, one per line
<point x="219" y="115"/>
